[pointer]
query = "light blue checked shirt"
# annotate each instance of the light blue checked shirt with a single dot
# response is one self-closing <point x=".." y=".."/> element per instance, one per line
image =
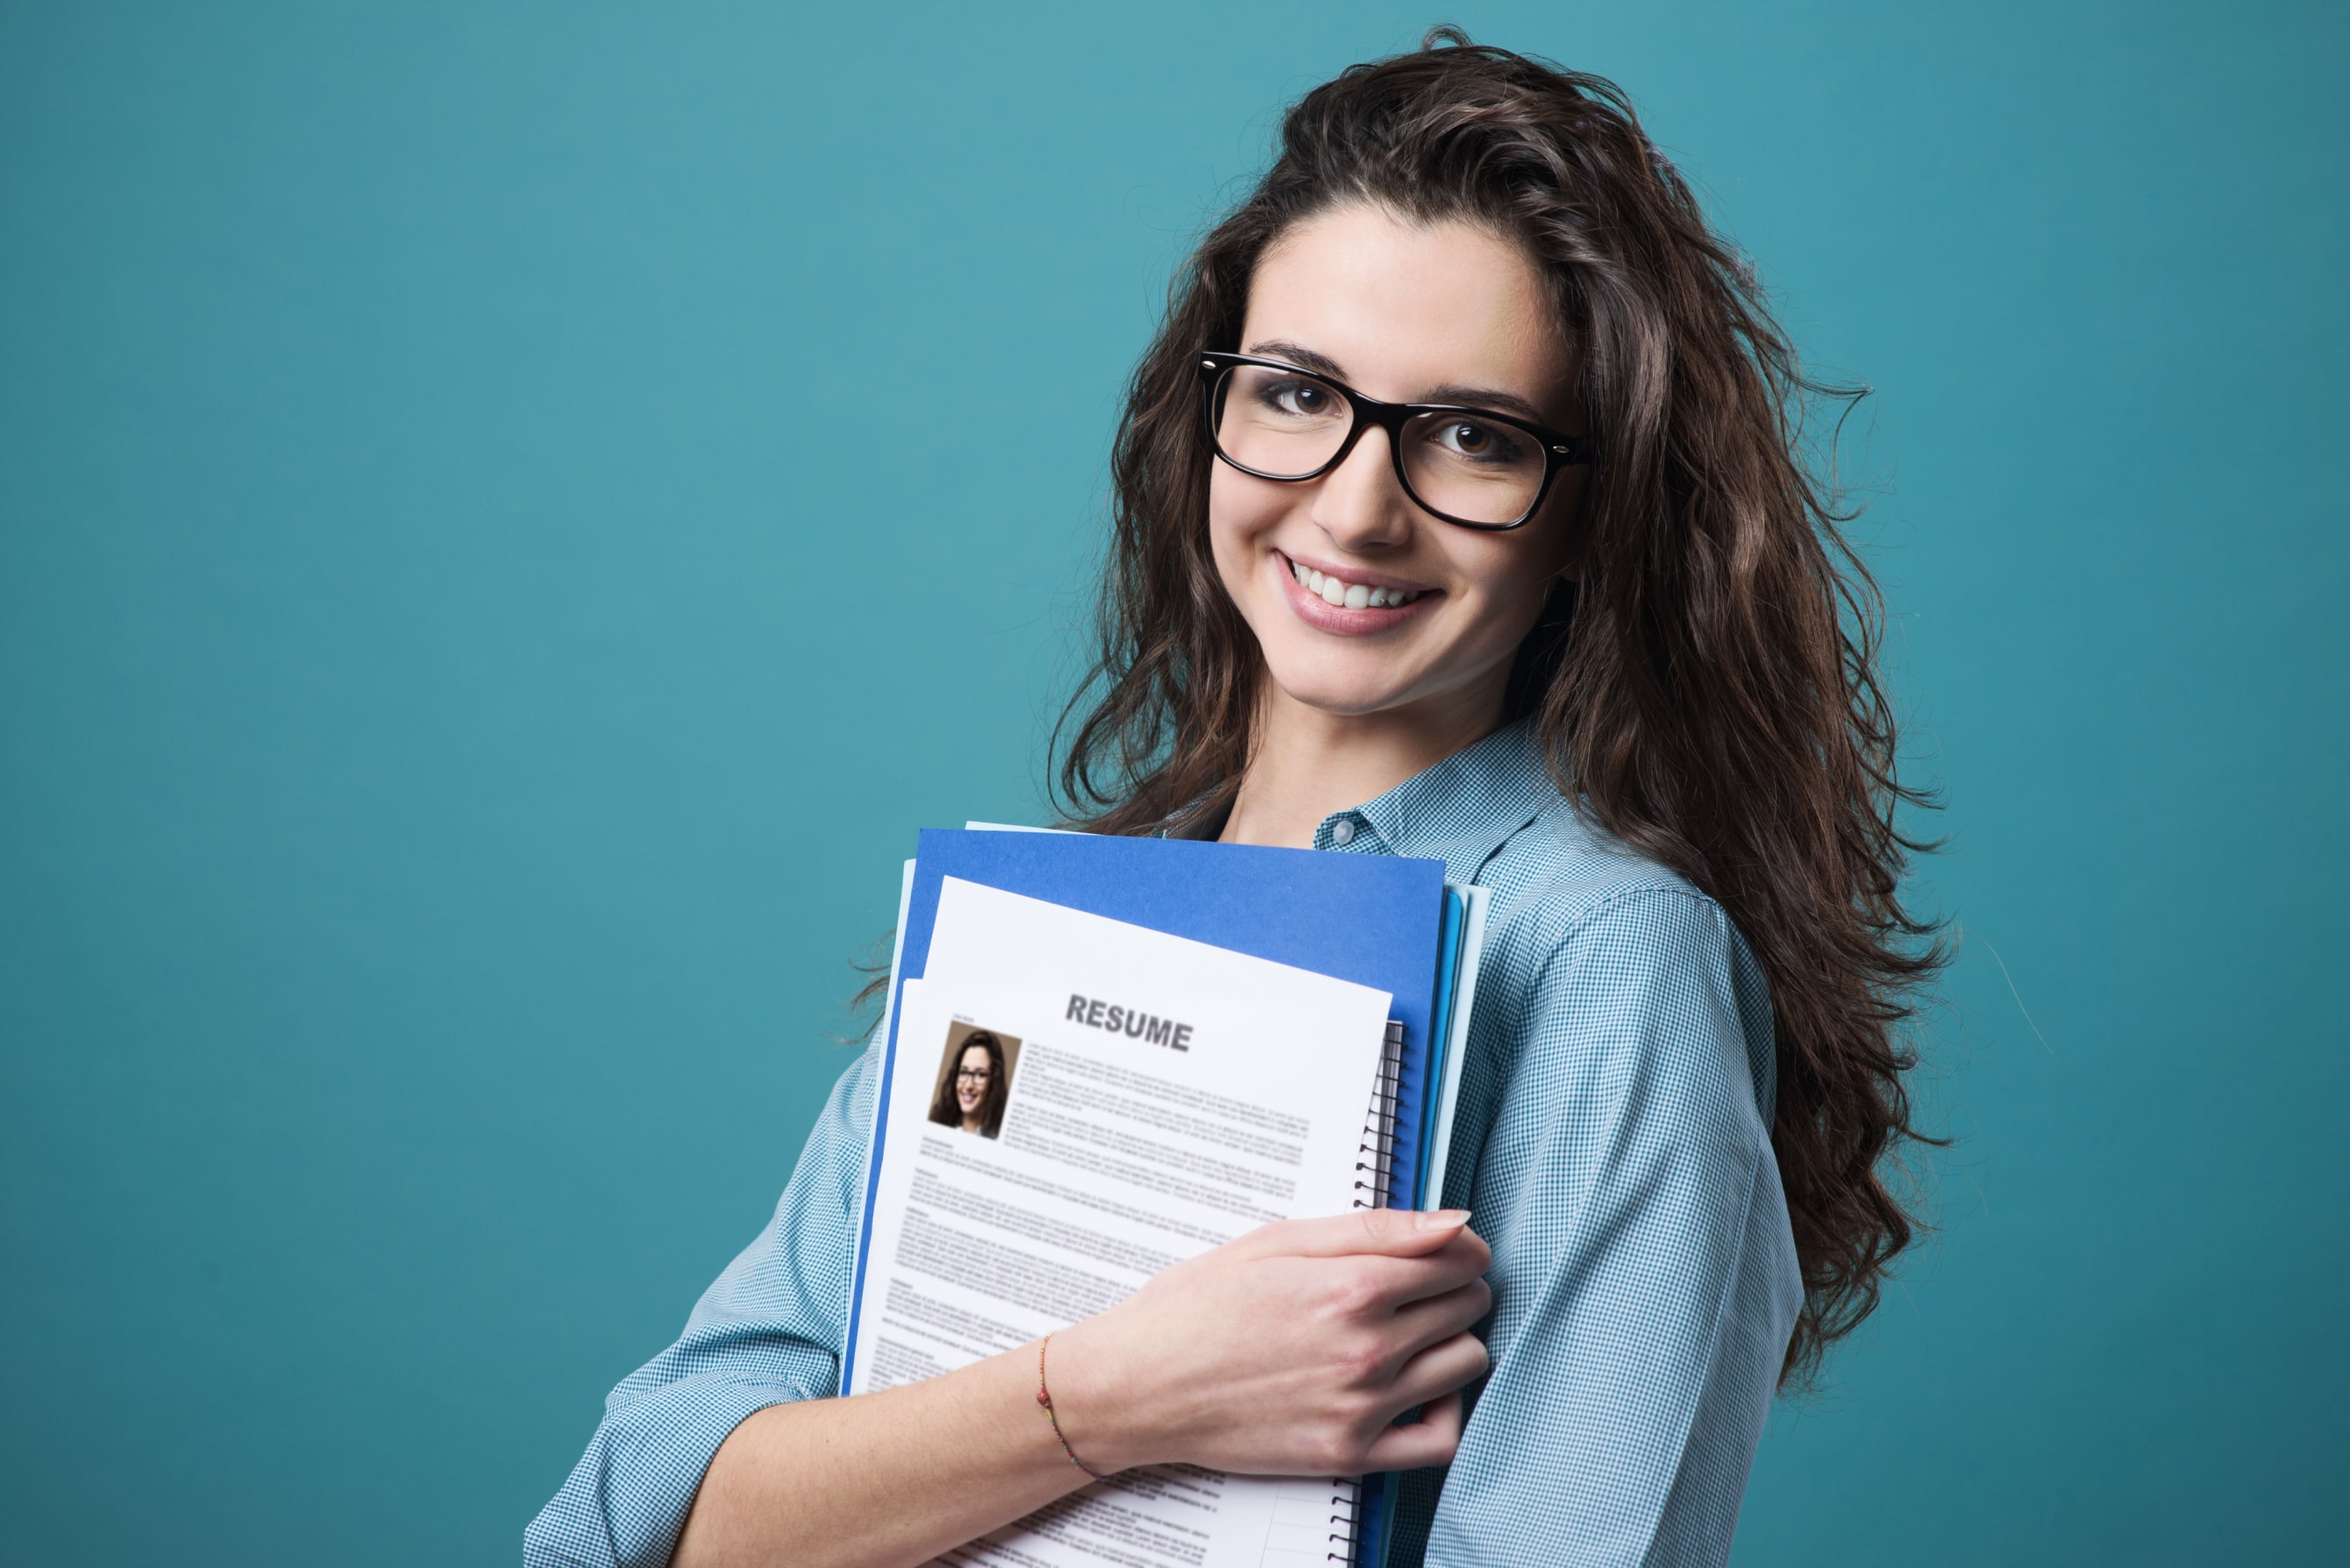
<point x="1613" y="1139"/>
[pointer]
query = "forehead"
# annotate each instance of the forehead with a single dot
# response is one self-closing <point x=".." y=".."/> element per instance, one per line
<point x="1402" y="307"/>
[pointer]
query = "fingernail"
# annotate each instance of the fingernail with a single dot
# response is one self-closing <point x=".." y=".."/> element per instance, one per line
<point x="1443" y="1219"/>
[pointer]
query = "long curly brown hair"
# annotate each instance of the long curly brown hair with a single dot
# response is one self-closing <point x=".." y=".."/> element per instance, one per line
<point x="1707" y="687"/>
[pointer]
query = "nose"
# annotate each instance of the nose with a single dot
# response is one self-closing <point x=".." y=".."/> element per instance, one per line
<point x="1358" y="503"/>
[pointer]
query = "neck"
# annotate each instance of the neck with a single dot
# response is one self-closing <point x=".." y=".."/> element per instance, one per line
<point x="1306" y="762"/>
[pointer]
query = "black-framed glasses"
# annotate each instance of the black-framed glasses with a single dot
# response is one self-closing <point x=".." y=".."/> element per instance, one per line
<point x="1469" y="466"/>
<point x="974" y="1074"/>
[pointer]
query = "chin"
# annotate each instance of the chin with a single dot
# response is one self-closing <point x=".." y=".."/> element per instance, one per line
<point x="1341" y="687"/>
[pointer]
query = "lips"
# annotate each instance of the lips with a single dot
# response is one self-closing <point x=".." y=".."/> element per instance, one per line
<point x="1344" y="604"/>
<point x="1339" y="592"/>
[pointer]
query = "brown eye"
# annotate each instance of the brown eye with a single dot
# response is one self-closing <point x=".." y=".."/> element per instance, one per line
<point x="1302" y="397"/>
<point x="1481" y="442"/>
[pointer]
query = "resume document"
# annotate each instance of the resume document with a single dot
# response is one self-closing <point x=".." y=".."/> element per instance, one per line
<point x="1073" y="1103"/>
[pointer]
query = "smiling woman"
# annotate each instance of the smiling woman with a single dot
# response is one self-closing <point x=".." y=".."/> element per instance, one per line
<point x="974" y="1081"/>
<point x="1458" y="517"/>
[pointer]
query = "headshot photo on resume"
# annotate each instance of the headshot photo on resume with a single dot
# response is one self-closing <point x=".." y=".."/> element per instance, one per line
<point x="975" y="1080"/>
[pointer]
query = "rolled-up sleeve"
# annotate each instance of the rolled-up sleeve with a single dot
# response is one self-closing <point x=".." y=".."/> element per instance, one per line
<point x="768" y="1332"/>
<point x="1644" y="1274"/>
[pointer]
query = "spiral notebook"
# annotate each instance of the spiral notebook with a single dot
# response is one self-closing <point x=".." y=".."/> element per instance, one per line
<point x="1160" y="1092"/>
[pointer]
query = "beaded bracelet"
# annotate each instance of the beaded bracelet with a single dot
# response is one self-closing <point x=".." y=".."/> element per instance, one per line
<point x="1045" y="1403"/>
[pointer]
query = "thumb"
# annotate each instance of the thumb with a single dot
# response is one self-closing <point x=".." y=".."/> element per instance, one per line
<point x="1389" y="1232"/>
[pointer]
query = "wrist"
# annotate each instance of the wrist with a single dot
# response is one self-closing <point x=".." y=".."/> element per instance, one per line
<point x="1092" y="1408"/>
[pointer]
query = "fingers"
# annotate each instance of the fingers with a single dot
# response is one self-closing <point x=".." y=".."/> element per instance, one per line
<point x="1393" y="1233"/>
<point x="1432" y="1383"/>
<point x="1431" y="1441"/>
<point x="1440" y="1369"/>
<point x="1436" y="1318"/>
<point x="1395" y="1282"/>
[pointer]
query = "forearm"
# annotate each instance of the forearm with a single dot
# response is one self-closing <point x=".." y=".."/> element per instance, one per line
<point x="1349" y="1320"/>
<point x="885" y="1479"/>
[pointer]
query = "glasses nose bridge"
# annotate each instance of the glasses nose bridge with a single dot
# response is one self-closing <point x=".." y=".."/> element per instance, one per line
<point x="1369" y="413"/>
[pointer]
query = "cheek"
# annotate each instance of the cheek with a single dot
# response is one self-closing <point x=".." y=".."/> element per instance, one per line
<point x="1515" y="571"/>
<point x="1511" y="585"/>
<point x="1241" y="510"/>
<point x="1509" y="581"/>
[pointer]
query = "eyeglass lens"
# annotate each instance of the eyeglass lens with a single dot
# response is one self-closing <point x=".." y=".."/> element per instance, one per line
<point x="1286" y="424"/>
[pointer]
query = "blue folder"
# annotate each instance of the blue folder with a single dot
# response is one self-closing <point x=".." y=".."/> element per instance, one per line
<point x="1378" y="920"/>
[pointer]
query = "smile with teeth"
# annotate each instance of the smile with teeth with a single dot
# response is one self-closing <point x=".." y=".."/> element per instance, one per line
<point x="1343" y="595"/>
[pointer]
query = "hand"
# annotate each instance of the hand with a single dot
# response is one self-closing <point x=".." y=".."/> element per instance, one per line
<point x="1290" y="1351"/>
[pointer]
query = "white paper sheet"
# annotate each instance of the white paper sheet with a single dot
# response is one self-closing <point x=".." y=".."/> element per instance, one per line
<point x="1164" y="1096"/>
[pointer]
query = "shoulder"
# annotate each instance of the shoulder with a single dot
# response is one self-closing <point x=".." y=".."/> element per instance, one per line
<point x="1595" y="950"/>
<point x="1561" y="878"/>
<point x="1495" y="814"/>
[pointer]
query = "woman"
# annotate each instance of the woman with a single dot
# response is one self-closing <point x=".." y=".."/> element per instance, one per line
<point x="971" y="1097"/>
<point x="1458" y="514"/>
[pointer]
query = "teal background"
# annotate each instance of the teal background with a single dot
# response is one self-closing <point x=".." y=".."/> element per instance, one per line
<point x="512" y="515"/>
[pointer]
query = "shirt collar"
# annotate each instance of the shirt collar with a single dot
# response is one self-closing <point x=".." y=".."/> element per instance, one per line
<point x="1460" y="811"/>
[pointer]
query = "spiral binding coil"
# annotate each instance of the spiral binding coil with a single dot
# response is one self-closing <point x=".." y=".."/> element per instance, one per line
<point x="1345" y="1511"/>
<point x="1375" y="1157"/>
<point x="1374" y="1188"/>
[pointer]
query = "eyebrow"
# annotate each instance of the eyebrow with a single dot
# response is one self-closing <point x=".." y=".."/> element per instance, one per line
<point x="1492" y="398"/>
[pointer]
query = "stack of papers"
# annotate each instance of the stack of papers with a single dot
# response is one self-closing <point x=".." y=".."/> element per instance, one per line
<point x="1105" y="1055"/>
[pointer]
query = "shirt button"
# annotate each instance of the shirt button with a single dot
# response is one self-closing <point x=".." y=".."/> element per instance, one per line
<point x="1342" y="832"/>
